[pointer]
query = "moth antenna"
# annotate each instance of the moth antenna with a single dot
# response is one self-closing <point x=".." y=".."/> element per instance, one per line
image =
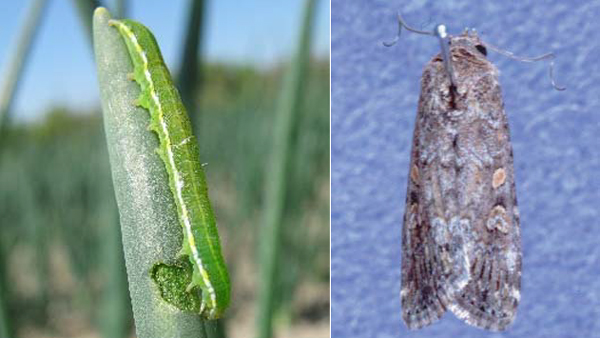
<point x="401" y="24"/>
<point x="425" y="23"/>
<point x="547" y="56"/>
<point x="440" y="33"/>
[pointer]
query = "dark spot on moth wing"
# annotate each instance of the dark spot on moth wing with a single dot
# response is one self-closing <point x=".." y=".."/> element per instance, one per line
<point x="455" y="141"/>
<point x="500" y="201"/>
<point x="414" y="197"/>
<point x="452" y="103"/>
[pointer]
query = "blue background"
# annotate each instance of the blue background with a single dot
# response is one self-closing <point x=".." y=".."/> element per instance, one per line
<point x="556" y="147"/>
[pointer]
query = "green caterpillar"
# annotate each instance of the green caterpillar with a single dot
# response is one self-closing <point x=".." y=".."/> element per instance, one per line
<point x="179" y="151"/>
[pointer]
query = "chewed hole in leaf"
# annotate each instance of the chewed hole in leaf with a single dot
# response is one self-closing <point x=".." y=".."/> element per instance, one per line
<point x="172" y="282"/>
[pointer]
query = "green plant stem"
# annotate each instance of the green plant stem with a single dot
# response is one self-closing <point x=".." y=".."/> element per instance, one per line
<point x="5" y="328"/>
<point x="19" y="58"/>
<point x="85" y="10"/>
<point x="188" y="79"/>
<point x="147" y="210"/>
<point x="121" y="8"/>
<point x="115" y="313"/>
<point x="284" y="130"/>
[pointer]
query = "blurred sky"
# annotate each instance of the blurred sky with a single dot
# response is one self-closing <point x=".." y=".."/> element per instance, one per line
<point x="61" y="70"/>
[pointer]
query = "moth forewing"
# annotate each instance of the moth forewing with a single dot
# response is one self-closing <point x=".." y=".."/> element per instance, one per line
<point x="179" y="151"/>
<point x="461" y="239"/>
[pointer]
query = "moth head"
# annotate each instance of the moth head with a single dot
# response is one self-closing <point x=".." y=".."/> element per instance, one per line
<point x="464" y="60"/>
<point x="463" y="55"/>
<point x="468" y="44"/>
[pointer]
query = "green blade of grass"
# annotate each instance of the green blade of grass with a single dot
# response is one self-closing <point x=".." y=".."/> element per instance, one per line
<point x="188" y="79"/>
<point x="5" y="328"/>
<point x="85" y="10"/>
<point x="115" y="313"/>
<point x="277" y="176"/>
<point x="146" y="206"/>
<point x="20" y="56"/>
<point x="121" y="7"/>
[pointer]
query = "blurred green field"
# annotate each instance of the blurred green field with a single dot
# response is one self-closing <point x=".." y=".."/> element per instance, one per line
<point x="60" y="269"/>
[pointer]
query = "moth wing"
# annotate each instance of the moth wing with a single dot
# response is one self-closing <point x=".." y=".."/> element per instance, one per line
<point x="421" y="297"/>
<point x="488" y="215"/>
<point x="422" y="302"/>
